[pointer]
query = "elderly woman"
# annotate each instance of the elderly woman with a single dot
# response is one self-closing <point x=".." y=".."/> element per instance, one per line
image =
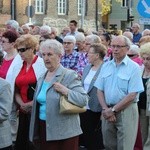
<point x="80" y="43"/>
<point x="144" y="99"/>
<point x="54" y="130"/>
<point x="144" y="39"/>
<point x="91" y="39"/>
<point x="90" y="120"/>
<point x="133" y="53"/>
<point x="6" y="100"/>
<point x="33" y="67"/>
<point x="12" y="25"/>
<point x="71" y="57"/>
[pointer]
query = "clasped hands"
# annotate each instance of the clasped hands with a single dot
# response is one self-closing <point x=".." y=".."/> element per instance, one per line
<point x="109" y="115"/>
<point x="26" y="107"/>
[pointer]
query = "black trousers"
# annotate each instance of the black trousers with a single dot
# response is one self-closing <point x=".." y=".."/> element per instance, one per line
<point x="91" y="126"/>
<point x="6" y="148"/>
<point x="22" y="141"/>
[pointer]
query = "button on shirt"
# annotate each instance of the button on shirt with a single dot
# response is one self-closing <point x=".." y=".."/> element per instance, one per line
<point x="117" y="81"/>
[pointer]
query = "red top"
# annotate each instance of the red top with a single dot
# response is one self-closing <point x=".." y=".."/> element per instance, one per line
<point x="4" y="68"/>
<point x="25" y="78"/>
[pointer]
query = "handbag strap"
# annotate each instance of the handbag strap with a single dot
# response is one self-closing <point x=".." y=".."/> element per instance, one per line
<point x="62" y="76"/>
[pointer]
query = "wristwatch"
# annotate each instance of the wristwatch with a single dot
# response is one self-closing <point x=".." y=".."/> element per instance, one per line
<point x="113" y="110"/>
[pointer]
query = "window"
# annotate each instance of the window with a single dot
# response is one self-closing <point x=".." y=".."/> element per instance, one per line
<point x="79" y="7"/>
<point x="39" y="6"/>
<point x="61" y="6"/>
<point x="80" y="3"/>
<point x="124" y="3"/>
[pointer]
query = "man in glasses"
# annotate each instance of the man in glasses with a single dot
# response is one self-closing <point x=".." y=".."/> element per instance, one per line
<point x="118" y="84"/>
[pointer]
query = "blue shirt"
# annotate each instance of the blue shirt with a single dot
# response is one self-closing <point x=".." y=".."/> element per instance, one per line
<point x="41" y="98"/>
<point x="117" y="81"/>
<point x="136" y="37"/>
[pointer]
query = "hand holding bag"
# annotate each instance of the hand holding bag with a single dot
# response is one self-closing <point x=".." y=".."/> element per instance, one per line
<point x="66" y="106"/>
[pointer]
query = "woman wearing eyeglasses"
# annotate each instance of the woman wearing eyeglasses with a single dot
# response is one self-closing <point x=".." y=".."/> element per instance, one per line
<point x="33" y="67"/>
<point x="90" y="120"/>
<point x="9" y="69"/>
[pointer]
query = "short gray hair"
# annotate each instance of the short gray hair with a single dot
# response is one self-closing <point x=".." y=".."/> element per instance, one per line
<point x="144" y="33"/>
<point x="128" y="34"/>
<point x="13" y="23"/>
<point x="52" y="44"/>
<point x="69" y="38"/>
<point x="93" y="38"/>
<point x="45" y="30"/>
<point x="80" y="37"/>
<point x="127" y="41"/>
<point x="134" y="49"/>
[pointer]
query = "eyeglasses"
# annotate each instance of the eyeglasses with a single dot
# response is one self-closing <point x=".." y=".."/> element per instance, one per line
<point x="131" y="55"/>
<point x="118" y="46"/>
<point x="67" y="43"/>
<point x="146" y="58"/>
<point x="87" y="44"/>
<point x="23" y="49"/>
<point x="4" y="41"/>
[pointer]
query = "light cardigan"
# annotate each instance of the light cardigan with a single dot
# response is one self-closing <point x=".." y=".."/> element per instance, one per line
<point x="15" y="67"/>
<point x="13" y="71"/>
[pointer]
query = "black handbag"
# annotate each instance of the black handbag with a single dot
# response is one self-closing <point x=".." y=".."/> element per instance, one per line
<point x="30" y="91"/>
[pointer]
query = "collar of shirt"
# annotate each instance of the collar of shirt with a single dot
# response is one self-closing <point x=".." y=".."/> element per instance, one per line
<point x="124" y="61"/>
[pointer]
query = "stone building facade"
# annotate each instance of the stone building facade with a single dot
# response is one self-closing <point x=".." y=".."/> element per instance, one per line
<point x="50" y="15"/>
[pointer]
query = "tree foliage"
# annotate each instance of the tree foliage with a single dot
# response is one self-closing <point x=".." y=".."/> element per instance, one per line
<point x="106" y="6"/>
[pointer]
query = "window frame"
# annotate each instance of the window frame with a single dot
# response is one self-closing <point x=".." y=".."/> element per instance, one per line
<point x="79" y="7"/>
<point x="61" y="7"/>
<point x="41" y="6"/>
<point x="124" y="3"/>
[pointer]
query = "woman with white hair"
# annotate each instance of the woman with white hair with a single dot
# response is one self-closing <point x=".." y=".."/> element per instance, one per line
<point x="133" y="53"/>
<point x="80" y="43"/>
<point x="91" y="39"/>
<point x="12" y="25"/>
<point x="71" y="57"/>
<point x="48" y="127"/>
<point x="144" y="98"/>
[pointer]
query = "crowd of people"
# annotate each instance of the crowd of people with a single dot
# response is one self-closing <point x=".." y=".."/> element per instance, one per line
<point x="108" y="74"/>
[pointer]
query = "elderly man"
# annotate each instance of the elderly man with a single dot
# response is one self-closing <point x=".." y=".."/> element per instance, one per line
<point x="118" y="84"/>
<point x="136" y="34"/>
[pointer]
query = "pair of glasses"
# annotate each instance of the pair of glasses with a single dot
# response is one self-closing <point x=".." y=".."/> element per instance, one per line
<point x="67" y="43"/>
<point x="23" y="49"/>
<point x="118" y="46"/>
<point x="87" y="44"/>
<point x="131" y="55"/>
<point x="4" y="41"/>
